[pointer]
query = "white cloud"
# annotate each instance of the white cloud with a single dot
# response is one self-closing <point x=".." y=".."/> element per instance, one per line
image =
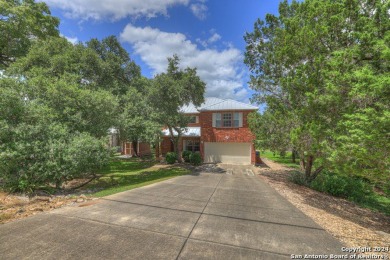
<point x="118" y="9"/>
<point x="221" y="70"/>
<point x="199" y="10"/>
<point x="72" y="40"/>
<point x="215" y="37"/>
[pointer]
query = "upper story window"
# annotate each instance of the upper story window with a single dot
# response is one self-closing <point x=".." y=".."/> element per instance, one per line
<point x="194" y="120"/>
<point x="227" y="119"/>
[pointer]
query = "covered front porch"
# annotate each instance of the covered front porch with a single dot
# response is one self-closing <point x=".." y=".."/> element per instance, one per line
<point x="190" y="141"/>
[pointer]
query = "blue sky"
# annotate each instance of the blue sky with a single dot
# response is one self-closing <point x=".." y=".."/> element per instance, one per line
<point x="205" y="34"/>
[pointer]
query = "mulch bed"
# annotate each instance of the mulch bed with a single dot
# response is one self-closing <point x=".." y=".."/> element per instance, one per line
<point x="353" y="225"/>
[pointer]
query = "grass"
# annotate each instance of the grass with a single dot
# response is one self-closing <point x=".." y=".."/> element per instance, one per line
<point x="126" y="174"/>
<point x="286" y="160"/>
<point x="5" y="216"/>
<point x="377" y="202"/>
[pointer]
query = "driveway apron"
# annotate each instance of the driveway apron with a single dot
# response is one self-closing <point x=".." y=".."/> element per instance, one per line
<point x="232" y="214"/>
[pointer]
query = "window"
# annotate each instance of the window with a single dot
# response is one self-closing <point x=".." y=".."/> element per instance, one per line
<point x="227" y="119"/>
<point x="192" y="145"/>
<point x="193" y="119"/>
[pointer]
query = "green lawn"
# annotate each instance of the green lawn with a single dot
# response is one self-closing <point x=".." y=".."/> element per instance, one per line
<point x="377" y="203"/>
<point x="286" y="160"/>
<point x="127" y="174"/>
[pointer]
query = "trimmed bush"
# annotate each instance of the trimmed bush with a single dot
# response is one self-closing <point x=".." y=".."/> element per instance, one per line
<point x="186" y="156"/>
<point x="171" y="157"/>
<point x="195" y="158"/>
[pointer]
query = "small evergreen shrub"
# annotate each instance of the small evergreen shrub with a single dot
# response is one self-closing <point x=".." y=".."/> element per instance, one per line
<point x="186" y="156"/>
<point x="297" y="178"/>
<point x="171" y="157"/>
<point x="195" y="158"/>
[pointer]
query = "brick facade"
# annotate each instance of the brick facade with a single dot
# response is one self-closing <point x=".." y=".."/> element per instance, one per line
<point x="166" y="145"/>
<point x="215" y="134"/>
<point x="223" y="134"/>
<point x="194" y="124"/>
<point x="142" y="149"/>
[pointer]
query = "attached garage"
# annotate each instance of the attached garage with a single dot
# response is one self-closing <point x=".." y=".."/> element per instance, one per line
<point x="230" y="153"/>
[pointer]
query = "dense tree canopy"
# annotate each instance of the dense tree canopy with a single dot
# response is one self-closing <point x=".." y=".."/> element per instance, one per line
<point x="170" y="92"/>
<point x="118" y="72"/>
<point x="66" y="78"/>
<point x="138" y="122"/>
<point x="327" y="63"/>
<point x="23" y="22"/>
<point x="58" y="100"/>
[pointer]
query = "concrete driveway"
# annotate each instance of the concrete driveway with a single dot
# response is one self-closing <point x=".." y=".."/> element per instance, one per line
<point x="228" y="215"/>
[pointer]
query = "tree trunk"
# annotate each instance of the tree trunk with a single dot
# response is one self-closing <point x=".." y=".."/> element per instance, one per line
<point x="316" y="172"/>
<point x="175" y="141"/>
<point x="178" y="152"/>
<point x="134" y="143"/>
<point x="293" y="154"/>
<point x="308" y="167"/>
<point x="302" y="163"/>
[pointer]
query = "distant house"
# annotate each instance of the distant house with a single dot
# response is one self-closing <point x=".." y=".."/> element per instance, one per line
<point x="140" y="149"/>
<point x="113" y="137"/>
<point x="218" y="130"/>
<point x="127" y="148"/>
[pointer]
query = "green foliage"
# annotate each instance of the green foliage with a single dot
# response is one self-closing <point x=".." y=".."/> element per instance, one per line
<point x="351" y="188"/>
<point x="56" y="106"/>
<point x="137" y="122"/>
<point x="298" y="177"/>
<point x="87" y="155"/>
<point x="342" y="186"/>
<point x="58" y="75"/>
<point x="173" y="90"/>
<point x="324" y="66"/>
<point x="195" y="158"/>
<point x="118" y="72"/>
<point x="272" y="129"/>
<point x="171" y="157"/>
<point x="35" y="150"/>
<point x="186" y="155"/>
<point x="276" y="157"/>
<point x="44" y="154"/>
<point x="21" y="24"/>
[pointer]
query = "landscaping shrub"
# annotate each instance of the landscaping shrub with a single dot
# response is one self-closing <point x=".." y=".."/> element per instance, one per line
<point x="298" y="178"/>
<point x="342" y="186"/>
<point x="44" y="155"/>
<point x="171" y="157"/>
<point x="186" y="156"/>
<point x="195" y="158"/>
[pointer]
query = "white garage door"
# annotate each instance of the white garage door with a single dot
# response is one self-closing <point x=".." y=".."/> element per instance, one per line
<point x="234" y="153"/>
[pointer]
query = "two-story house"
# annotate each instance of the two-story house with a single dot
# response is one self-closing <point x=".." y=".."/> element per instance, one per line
<point x="218" y="130"/>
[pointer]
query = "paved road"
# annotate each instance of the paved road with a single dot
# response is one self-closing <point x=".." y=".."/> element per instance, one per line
<point x="227" y="215"/>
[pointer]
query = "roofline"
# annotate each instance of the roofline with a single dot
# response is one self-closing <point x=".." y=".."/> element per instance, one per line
<point x="241" y="109"/>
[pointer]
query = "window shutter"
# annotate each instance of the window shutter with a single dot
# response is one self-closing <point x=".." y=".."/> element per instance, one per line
<point x="240" y="119"/>
<point x="197" y="119"/>
<point x="214" y="119"/>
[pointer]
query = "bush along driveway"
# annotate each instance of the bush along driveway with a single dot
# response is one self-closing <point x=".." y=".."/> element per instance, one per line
<point x="120" y="175"/>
